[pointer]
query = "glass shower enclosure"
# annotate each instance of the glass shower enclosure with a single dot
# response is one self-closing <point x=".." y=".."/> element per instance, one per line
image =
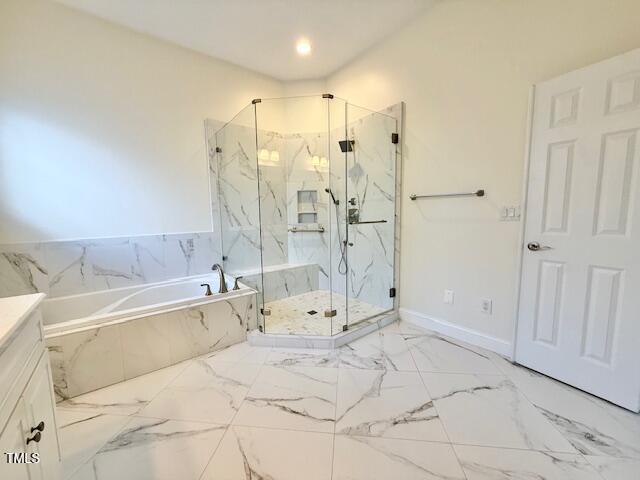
<point x="306" y="193"/>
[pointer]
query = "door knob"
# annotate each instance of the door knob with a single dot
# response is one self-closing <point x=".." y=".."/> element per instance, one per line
<point x="536" y="247"/>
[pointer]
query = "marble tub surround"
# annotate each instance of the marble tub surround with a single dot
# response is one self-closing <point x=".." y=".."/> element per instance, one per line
<point x="333" y="421"/>
<point x="94" y="357"/>
<point x="60" y="268"/>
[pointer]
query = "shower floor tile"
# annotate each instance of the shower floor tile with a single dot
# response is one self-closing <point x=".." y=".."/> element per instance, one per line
<point x="294" y="315"/>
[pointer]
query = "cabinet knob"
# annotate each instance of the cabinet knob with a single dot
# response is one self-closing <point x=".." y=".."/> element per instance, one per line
<point x="36" y="438"/>
<point x="39" y="427"/>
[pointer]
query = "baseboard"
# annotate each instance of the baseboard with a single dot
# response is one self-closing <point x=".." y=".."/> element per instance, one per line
<point x="494" y="344"/>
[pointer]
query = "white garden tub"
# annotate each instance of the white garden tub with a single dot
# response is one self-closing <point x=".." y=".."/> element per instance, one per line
<point x="100" y="338"/>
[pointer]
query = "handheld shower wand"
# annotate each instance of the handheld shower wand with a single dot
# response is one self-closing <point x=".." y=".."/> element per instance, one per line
<point x="342" y="266"/>
<point x="335" y="202"/>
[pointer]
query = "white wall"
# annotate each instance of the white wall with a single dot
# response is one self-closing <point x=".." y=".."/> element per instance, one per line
<point x="464" y="69"/>
<point x="88" y="108"/>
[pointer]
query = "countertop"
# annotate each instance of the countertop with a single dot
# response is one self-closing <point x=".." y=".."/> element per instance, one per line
<point x="13" y="312"/>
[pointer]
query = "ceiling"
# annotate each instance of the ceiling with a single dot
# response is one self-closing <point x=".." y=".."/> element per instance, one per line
<point x="261" y="34"/>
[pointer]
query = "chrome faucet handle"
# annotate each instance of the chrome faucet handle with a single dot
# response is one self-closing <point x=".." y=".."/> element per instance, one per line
<point x="235" y="284"/>
<point x="208" y="292"/>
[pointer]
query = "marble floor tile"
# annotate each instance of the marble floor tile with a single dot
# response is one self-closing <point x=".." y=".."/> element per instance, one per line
<point x="204" y="393"/>
<point x="615" y="468"/>
<point x="259" y="453"/>
<point x="484" y="463"/>
<point x="82" y="434"/>
<point x="402" y="327"/>
<point x="154" y="449"/>
<point x="128" y="397"/>
<point x="239" y="352"/>
<point x="436" y="353"/>
<point x="377" y="351"/>
<point x="383" y="403"/>
<point x="303" y="357"/>
<point x="593" y="426"/>
<point x="366" y="458"/>
<point x="298" y="398"/>
<point x="489" y="410"/>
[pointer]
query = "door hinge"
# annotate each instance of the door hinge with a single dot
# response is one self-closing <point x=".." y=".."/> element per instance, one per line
<point x="218" y="150"/>
<point x="395" y="138"/>
<point x="392" y="292"/>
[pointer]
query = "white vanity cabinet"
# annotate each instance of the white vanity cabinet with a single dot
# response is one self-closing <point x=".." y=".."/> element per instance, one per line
<point x="28" y="436"/>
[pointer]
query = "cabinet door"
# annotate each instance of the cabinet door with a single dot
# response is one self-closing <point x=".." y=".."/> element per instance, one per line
<point x="38" y="401"/>
<point x="12" y="440"/>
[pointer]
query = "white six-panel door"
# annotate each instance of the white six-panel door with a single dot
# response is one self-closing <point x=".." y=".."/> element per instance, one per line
<point x="579" y="314"/>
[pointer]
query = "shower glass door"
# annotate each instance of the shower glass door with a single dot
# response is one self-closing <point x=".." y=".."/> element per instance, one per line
<point x="297" y="215"/>
<point x="370" y="212"/>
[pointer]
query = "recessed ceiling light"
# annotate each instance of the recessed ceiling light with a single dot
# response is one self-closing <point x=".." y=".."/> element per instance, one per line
<point x="303" y="47"/>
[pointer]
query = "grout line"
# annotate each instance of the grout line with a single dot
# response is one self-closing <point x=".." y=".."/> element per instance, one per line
<point x="446" y="432"/>
<point x="230" y="425"/>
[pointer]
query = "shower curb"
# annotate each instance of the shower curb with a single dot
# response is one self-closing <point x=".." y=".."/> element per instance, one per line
<point x="259" y="339"/>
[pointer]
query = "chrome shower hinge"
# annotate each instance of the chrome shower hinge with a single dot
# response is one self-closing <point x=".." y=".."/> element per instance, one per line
<point x="330" y="313"/>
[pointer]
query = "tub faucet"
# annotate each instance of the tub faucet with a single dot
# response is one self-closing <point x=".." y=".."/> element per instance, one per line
<point x="223" y="282"/>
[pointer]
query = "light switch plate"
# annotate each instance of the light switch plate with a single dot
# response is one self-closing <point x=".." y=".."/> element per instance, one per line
<point x="486" y="305"/>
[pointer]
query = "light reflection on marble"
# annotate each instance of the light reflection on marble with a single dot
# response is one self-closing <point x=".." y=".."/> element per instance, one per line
<point x="436" y="353"/>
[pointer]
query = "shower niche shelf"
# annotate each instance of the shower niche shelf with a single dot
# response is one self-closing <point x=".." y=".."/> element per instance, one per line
<point x="307" y="211"/>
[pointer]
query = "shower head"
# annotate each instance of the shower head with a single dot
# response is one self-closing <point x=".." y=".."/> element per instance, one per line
<point x="335" y="202"/>
<point x="346" y="145"/>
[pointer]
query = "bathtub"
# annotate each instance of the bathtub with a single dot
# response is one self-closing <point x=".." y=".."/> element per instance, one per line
<point x="101" y="338"/>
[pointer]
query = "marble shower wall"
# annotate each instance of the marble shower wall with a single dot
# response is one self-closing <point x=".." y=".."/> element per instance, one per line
<point x="311" y="180"/>
<point x="63" y="268"/>
<point x="245" y="202"/>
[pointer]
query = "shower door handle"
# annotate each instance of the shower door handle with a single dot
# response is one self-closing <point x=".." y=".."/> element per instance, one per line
<point x="370" y="221"/>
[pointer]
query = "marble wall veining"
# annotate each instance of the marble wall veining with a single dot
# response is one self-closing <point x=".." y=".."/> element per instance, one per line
<point x="93" y="358"/>
<point x="62" y="268"/>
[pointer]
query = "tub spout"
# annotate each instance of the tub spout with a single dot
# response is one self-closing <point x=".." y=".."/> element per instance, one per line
<point x="223" y="282"/>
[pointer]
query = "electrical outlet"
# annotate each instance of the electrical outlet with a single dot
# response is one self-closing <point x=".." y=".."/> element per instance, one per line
<point x="486" y="305"/>
<point x="448" y="297"/>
